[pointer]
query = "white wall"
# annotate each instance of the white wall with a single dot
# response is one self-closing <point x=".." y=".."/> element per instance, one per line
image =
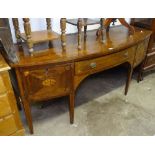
<point x="40" y="24"/>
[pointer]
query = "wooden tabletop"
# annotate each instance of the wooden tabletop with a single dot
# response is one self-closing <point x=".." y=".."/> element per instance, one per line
<point x="41" y="36"/>
<point x="3" y="65"/>
<point x="117" y="39"/>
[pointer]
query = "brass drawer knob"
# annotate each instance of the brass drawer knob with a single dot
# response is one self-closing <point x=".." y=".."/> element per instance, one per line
<point x="93" y="65"/>
<point x="126" y="54"/>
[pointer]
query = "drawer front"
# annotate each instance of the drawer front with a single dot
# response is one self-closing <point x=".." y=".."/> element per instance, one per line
<point x="2" y="86"/>
<point x="7" y="125"/>
<point x="104" y="62"/>
<point x="4" y="82"/>
<point x="5" y="108"/>
<point x="47" y="81"/>
<point x="141" y="52"/>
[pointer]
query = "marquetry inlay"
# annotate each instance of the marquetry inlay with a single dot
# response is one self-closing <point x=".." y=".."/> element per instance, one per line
<point x="49" y="82"/>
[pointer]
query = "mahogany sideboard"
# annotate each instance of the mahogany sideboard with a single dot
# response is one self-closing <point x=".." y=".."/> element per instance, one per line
<point x="10" y="123"/>
<point x="52" y="72"/>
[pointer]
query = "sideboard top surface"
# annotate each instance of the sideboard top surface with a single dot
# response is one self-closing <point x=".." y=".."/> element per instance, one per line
<point x="117" y="39"/>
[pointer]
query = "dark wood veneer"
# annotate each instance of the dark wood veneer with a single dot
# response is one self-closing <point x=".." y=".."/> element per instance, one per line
<point x="53" y="72"/>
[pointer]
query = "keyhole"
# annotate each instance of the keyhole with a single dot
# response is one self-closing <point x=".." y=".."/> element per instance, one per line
<point x="46" y="71"/>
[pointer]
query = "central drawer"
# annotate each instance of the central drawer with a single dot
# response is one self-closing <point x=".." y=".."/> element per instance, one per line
<point x="104" y="62"/>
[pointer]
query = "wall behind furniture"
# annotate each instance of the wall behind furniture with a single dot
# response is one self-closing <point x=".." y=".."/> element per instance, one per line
<point x="40" y="24"/>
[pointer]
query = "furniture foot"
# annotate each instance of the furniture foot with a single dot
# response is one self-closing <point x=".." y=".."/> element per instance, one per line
<point x="71" y="107"/>
<point x="140" y="76"/>
<point x="140" y="73"/>
<point x="130" y="71"/>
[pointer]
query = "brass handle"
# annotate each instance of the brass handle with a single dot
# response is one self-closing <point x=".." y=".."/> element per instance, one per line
<point x="93" y="65"/>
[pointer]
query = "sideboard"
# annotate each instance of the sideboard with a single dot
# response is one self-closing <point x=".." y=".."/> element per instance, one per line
<point x="52" y="72"/>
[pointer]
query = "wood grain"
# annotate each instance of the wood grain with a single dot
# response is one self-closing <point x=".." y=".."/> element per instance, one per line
<point x="51" y="72"/>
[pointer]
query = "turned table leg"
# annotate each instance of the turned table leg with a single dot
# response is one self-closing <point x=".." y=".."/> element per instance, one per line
<point x="79" y="26"/>
<point x="129" y="76"/>
<point x="48" y="22"/>
<point x="16" y="28"/>
<point x="100" y="32"/>
<point x="49" y="29"/>
<point x="27" y="29"/>
<point x="63" y="33"/>
<point x="85" y="32"/>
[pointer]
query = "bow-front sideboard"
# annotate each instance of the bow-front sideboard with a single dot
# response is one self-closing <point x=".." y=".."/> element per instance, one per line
<point x="52" y="72"/>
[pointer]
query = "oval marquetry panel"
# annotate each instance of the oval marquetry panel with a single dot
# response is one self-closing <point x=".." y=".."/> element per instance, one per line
<point x="46" y="81"/>
<point x="49" y="82"/>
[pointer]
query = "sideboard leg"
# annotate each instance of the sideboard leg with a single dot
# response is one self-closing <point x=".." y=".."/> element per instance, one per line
<point x="71" y="107"/>
<point x="25" y="103"/>
<point x="130" y="71"/>
<point x="28" y="115"/>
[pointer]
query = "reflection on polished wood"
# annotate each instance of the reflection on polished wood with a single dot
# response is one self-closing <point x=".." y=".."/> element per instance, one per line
<point x="41" y="36"/>
<point x="93" y="47"/>
<point x="51" y="72"/>
<point x="85" y="21"/>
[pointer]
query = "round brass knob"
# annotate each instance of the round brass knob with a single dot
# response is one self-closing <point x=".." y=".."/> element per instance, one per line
<point x="93" y="65"/>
